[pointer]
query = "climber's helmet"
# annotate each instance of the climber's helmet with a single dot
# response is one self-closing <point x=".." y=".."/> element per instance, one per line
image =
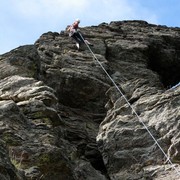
<point x="78" y="20"/>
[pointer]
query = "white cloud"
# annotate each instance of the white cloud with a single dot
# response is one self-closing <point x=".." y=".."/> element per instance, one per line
<point x="45" y="8"/>
<point x="88" y="10"/>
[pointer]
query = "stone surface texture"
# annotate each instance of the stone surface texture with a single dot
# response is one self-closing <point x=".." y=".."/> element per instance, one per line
<point x="61" y="117"/>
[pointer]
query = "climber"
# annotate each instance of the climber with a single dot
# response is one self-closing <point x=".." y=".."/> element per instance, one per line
<point x="75" y="34"/>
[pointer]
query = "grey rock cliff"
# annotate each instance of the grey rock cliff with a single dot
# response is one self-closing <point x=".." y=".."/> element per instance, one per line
<point x="62" y="118"/>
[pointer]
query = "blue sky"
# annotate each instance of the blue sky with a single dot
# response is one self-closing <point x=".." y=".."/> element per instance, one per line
<point x="23" y="21"/>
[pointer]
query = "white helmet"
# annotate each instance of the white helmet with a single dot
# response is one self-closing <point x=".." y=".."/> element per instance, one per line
<point x="78" y="20"/>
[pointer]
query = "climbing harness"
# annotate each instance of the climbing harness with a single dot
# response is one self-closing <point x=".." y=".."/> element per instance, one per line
<point x="133" y="110"/>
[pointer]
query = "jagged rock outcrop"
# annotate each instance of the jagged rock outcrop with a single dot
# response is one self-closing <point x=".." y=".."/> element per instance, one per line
<point x="62" y="118"/>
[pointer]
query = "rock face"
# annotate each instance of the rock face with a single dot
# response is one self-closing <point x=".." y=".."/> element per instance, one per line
<point x="61" y="117"/>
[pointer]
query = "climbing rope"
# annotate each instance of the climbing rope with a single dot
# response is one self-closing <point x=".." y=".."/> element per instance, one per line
<point x="175" y="86"/>
<point x="133" y="110"/>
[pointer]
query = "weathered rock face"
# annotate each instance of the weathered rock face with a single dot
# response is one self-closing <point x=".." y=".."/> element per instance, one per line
<point x="62" y="118"/>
